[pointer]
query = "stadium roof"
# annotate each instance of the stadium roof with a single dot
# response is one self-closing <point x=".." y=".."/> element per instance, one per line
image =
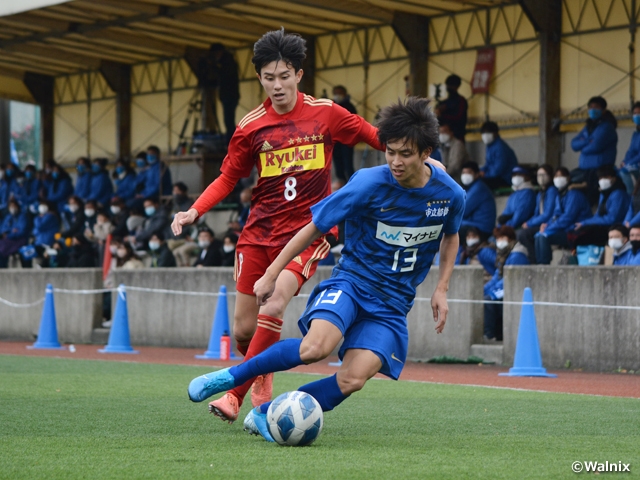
<point x="54" y="37"/>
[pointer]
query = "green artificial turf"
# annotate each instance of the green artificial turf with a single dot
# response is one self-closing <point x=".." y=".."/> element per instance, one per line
<point x="96" y="419"/>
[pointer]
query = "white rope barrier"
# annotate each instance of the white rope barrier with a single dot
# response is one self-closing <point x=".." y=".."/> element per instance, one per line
<point x="306" y="295"/>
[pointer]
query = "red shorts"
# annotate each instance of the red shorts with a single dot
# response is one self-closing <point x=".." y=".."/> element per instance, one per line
<point x="253" y="260"/>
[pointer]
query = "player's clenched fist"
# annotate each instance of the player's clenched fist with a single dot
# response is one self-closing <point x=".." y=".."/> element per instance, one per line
<point x="182" y="219"/>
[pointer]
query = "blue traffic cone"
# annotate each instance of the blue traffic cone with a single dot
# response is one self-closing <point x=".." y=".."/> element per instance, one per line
<point x="220" y="326"/>
<point x="48" y="333"/>
<point x="528" y="360"/>
<point x="119" y="341"/>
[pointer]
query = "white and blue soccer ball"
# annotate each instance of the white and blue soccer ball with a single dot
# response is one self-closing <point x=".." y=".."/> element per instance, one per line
<point x="295" y="419"/>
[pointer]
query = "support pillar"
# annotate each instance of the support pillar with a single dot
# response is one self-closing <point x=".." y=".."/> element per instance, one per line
<point x="41" y="88"/>
<point x="118" y="77"/>
<point x="546" y="18"/>
<point x="308" y="82"/>
<point x="413" y="32"/>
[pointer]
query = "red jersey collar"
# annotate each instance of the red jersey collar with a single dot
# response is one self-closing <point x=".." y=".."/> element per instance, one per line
<point x="273" y="114"/>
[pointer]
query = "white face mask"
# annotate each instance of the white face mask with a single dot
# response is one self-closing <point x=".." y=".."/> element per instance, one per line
<point x="73" y="208"/>
<point x="154" y="245"/>
<point x="13" y="210"/>
<point x="444" y="138"/>
<point x="1" y="174"/>
<point x="517" y="181"/>
<point x="228" y="248"/>
<point x="472" y="241"/>
<point x="89" y="212"/>
<point x="560" y="182"/>
<point x="113" y="249"/>
<point x="487" y="138"/>
<point x="42" y="209"/>
<point x="338" y="98"/>
<point x="122" y="252"/>
<point x="467" y="178"/>
<point x="615" y="243"/>
<point x="204" y="244"/>
<point x="115" y="209"/>
<point x="502" y="244"/>
<point x="604" y="183"/>
<point x="543" y="180"/>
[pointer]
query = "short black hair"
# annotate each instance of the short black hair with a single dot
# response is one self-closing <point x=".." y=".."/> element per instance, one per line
<point x="340" y="87"/>
<point x="153" y="200"/>
<point x="412" y="121"/>
<point x="181" y="186"/>
<point x="207" y="230"/>
<point x="453" y="80"/>
<point x="620" y="228"/>
<point x="564" y="171"/>
<point x="160" y="236"/>
<point x="548" y="169"/>
<point x="471" y="166"/>
<point x="636" y="225"/>
<point x="607" y="171"/>
<point x="142" y="155"/>
<point x="635" y="105"/>
<point x="154" y="149"/>
<point x="598" y="100"/>
<point x="489" y="127"/>
<point x="275" y="46"/>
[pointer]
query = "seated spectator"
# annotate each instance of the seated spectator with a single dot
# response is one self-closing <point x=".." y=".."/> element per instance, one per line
<point x="6" y="182"/>
<point x="521" y="204"/>
<point x="229" y="244"/>
<point x="161" y="256"/>
<point x="234" y="226"/>
<point x="210" y="249"/>
<point x="571" y="207"/>
<point x="101" y="186"/>
<point x="58" y="188"/>
<point x="119" y="215"/>
<point x="101" y="230"/>
<point x="156" y="221"/>
<point x="545" y="204"/>
<point x="508" y="252"/>
<point x="597" y="143"/>
<point x="630" y="167"/>
<point x="135" y="224"/>
<point x="157" y="174"/>
<point x="13" y="232"/>
<point x="245" y="203"/>
<point x="180" y="202"/>
<point x="126" y="181"/>
<point x="83" y="179"/>
<point x="620" y="244"/>
<point x="27" y="193"/>
<point x="500" y="159"/>
<point x="127" y="259"/>
<point x="81" y="254"/>
<point x="73" y="219"/>
<point x="634" y="239"/>
<point x="90" y="218"/>
<point x="46" y="225"/>
<point x="612" y="208"/>
<point x="480" y="208"/>
<point x="454" y="153"/>
<point x="141" y="178"/>
<point x="476" y="251"/>
<point x="633" y="213"/>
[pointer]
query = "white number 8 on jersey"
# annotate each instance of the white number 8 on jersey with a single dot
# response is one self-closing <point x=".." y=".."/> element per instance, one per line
<point x="290" y="188"/>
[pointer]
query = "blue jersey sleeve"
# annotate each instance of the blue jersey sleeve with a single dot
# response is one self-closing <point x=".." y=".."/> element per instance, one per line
<point x="454" y="219"/>
<point x="341" y="204"/>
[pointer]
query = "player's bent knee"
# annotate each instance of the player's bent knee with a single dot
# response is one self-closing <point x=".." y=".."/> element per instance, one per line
<point x="311" y="351"/>
<point x="350" y="383"/>
<point x="275" y="307"/>
<point x="243" y="333"/>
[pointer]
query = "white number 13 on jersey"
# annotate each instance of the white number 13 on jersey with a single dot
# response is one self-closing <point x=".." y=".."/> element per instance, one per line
<point x="290" y="188"/>
<point x="410" y="258"/>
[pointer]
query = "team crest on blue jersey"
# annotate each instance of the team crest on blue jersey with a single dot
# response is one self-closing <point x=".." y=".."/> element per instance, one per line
<point x="407" y="236"/>
<point x="437" y="208"/>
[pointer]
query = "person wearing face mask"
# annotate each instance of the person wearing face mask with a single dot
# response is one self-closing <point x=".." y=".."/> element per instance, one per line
<point x="119" y="213"/>
<point x="500" y="159"/>
<point x="83" y="179"/>
<point x="508" y="252"/>
<point x="210" y="249"/>
<point x="126" y="257"/>
<point x="343" y="154"/>
<point x="521" y="204"/>
<point x="13" y="232"/>
<point x="73" y="219"/>
<point x="620" y="244"/>
<point x="571" y="207"/>
<point x="45" y="226"/>
<point x="141" y="179"/>
<point x="90" y="217"/>
<point x="480" y="208"/>
<point x="81" y="254"/>
<point x="634" y="239"/>
<point x="125" y="179"/>
<point x="28" y="192"/>
<point x="453" y="151"/>
<point x="156" y="221"/>
<point x="229" y="243"/>
<point x="245" y="204"/>
<point x="545" y="205"/>
<point x="612" y="208"/>
<point x="157" y="174"/>
<point x="476" y="251"/>
<point x="58" y="188"/>
<point x="161" y="255"/>
<point x="101" y="186"/>
<point x="453" y="110"/>
<point x="597" y="143"/>
<point x="630" y="167"/>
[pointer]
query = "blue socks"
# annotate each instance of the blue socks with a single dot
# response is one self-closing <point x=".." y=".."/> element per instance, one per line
<point x="326" y="392"/>
<point x="283" y="355"/>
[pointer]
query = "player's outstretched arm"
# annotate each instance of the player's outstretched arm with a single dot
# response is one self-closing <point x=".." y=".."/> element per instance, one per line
<point x="183" y="219"/>
<point x="265" y="286"/>
<point x="448" y="251"/>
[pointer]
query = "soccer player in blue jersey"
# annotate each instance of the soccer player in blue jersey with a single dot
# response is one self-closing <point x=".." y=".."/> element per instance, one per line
<point x="397" y="218"/>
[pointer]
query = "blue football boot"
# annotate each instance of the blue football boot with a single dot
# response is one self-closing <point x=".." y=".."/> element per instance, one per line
<point x="204" y="386"/>
<point x="256" y="424"/>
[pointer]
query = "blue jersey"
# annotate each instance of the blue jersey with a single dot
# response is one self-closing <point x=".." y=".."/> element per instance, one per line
<point x="392" y="233"/>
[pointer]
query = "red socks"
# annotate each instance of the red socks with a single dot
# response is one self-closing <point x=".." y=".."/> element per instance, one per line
<point x="267" y="333"/>
<point x="243" y="347"/>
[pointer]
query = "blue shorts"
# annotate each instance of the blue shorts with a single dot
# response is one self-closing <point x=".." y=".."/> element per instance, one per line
<point x="365" y="322"/>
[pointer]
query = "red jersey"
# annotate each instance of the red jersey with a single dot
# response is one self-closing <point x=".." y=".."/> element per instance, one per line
<point x="292" y="153"/>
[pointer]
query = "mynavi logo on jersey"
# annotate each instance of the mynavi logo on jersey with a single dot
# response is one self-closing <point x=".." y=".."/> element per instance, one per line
<point x="294" y="159"/>
<point x="407" y="236"/>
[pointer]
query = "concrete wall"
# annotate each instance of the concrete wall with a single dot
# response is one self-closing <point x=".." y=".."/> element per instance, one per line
<point x="593" y="339"/>
<point x="77" y="315"/>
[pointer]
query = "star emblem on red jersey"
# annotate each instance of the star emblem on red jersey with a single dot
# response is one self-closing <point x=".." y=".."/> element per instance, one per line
<point x="320" y="136"/>
<point x="306" y="138"/>
<point x="299" y="140"/>
<point x="314" y="138"/>
<point x="291" y="141"/>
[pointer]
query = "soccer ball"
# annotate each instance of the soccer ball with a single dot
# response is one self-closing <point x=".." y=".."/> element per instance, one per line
<point x="295" y="419"/>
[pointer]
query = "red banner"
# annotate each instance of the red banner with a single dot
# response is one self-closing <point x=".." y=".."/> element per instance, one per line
<point x="482" y="72"/>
